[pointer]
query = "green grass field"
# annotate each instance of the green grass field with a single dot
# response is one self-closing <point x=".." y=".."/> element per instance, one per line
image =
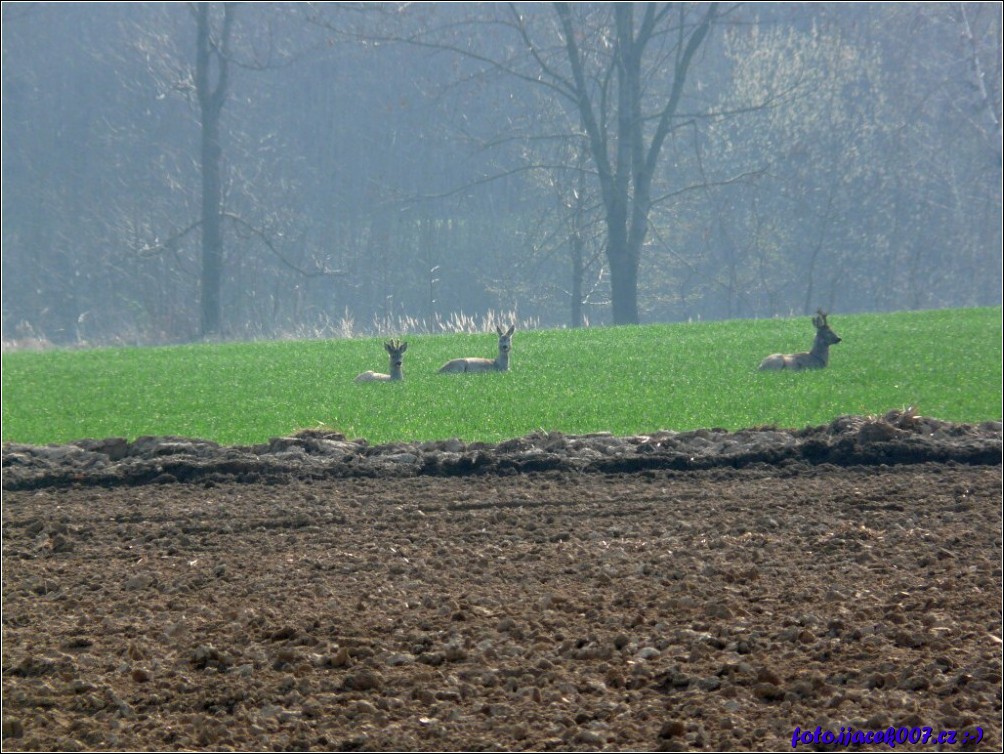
<point x="624" y="380"/>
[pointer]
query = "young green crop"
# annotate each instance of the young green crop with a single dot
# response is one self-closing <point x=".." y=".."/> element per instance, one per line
<point x="624" y="380"/>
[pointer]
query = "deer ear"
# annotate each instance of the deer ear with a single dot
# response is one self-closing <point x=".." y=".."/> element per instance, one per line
<point x="510" y="331"/>
<point x="404" y="347"/>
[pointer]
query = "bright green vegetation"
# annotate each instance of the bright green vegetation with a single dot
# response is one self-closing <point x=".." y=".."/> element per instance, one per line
<point x="626" y="380"/>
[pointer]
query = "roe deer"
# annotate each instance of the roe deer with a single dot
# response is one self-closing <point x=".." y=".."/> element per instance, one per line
<point x="817" y="358"/>
<point x="396" y="350"/>
<point x="500" y="364"/>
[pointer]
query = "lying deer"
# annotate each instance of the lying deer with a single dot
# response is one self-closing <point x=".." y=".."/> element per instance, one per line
<point x="396" y="350"/>
<point x="500" y="364"/>
<point x="817" y="358"/>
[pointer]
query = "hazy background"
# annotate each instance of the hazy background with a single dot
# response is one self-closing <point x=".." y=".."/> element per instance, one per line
<point x="186" y="171"/>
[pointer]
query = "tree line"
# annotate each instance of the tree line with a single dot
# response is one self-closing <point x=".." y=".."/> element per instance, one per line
<point x="174" y="172"/>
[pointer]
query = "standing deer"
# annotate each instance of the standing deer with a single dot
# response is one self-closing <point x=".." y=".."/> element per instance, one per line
<point x="817" y="358"/>
<point x="500" y="364"/>
<point x="396" y="350"/>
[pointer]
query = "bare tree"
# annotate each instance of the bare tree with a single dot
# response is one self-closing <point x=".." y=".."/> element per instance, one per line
<point x="620" y="69"/>
<point x="219" y="48"/>
<point x="625" y="150"/>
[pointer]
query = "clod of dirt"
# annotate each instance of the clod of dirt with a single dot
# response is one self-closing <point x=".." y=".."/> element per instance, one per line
<point x="898" y="437"/>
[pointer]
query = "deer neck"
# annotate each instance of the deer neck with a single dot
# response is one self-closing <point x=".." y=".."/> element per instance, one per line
<point x="502" y="361"/>
<point x="395" y="372"/>
<point x="820" y="351"/>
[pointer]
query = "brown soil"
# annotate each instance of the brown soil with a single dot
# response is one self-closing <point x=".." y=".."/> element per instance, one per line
<point x="711" y="609"/>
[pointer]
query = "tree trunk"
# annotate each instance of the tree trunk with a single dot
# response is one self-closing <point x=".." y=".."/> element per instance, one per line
<point x="211" y="98"/>
<point x="623" y="255"/>
<point x="624" y="287"/>
<point x="212" y="229"/>
<point x="578" y="271"/>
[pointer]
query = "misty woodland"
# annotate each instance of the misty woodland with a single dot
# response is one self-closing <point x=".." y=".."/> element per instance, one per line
<point x="187" y="171"/>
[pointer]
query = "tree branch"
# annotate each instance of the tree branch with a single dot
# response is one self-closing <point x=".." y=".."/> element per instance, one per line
<point x="710" y="184"/>
<point x="263" y="237"/>
<point x="171" y="244"/>
<point x="679" y="79"/>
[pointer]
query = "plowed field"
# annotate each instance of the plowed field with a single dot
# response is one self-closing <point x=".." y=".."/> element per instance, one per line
<point x="711" y="608"/>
